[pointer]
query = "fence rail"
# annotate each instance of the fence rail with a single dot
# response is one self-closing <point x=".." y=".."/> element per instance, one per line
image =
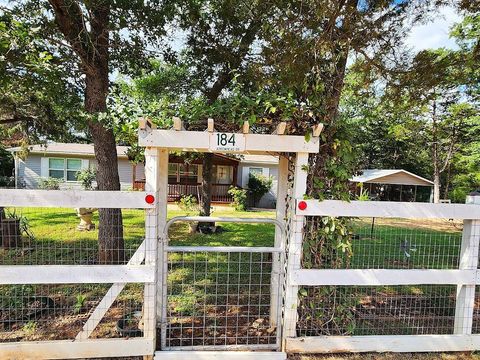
<point x="389" y="209"/>
<point x="377" y="277"/>
<point x="74" y="199"/>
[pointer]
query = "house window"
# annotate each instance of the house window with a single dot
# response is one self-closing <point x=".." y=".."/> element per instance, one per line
<point x="256" y="171"/>
<point x="223" y="174"/>
<point x="56" y="168"/>
<point x="73" y="167"/>
<point x="172" y="173"/>
<point x="188" y="173"/>
<point x="64" y="169"/>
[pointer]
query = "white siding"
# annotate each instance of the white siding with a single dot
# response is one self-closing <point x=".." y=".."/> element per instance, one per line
<point x="125" y="172"/>
<point x="21" y="173"/>
<point x="29" y="173"/>
<point x="269" y="199"/>
<point x="140" y="171"/>
<point x="32" y="171"/>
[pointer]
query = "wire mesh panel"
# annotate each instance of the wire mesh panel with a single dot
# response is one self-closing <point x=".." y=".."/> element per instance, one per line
<point x="476" y="312"/>
<point x="219" y="300"/>
<point x="65" y="236"/>
<point x="380" y="310"/>
<point x="381" y="243"/>
<point x="59" y="312"/>
<point x="56" y="236"/>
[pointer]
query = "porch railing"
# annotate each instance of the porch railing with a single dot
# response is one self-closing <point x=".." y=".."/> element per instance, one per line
<point x="175" y="191"/>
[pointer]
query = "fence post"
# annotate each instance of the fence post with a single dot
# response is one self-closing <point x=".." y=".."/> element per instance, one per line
<point x="294" y="246"/>
<point x="468" y="261"/>
<point x="156" y="169"/>
<point x="276" y="282"/>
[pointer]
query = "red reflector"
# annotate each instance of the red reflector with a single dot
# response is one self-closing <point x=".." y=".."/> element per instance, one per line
<point x="302" y="205"/>
<point x="149" y="199"/>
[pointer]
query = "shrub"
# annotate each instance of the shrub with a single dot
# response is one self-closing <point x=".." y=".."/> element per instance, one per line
<point x="239" y="198"/>
<point x="49" y="184"/>
<point x="258" y="186"/>
<point x="7" y="181"/>
<point x="188" y="203"/>
<point x="87" y="177"/>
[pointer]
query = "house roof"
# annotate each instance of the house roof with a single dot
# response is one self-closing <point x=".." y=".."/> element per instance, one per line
<point x="390" y="176"/>
<point x="260" y="159"/>
<point x="67" y="149"/>
<point x="87" y="149"/>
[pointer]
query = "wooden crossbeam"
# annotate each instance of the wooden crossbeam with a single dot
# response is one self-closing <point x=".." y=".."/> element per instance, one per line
<point x="317" y="129"/>
<point x="107" y="301"/>
<point x="246" y="127"/>
<point x="210" y="125"/>
<point x="254" y="143"/>
<point x="178" y="124"/>
<point x="144" y="123"/>
<point x="280" y="130"/>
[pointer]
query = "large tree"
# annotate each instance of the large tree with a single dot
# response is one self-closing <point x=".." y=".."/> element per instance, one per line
<point x="306" y="53"/>
<point x="421" y="118"/>
<point x="37" y="100"/>
<point x="97" y="38"/>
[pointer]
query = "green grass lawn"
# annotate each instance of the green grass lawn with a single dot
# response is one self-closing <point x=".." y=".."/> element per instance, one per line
<point x="403" y="243"/>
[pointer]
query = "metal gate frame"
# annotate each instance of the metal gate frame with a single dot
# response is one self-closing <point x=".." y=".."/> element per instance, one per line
<point x="277" y="276"/>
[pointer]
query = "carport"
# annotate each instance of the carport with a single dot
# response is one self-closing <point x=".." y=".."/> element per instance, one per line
<point x="393" y="185"/>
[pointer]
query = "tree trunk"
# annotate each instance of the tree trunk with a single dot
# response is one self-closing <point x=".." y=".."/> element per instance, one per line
<point x="206" y="188"/>
<point x="436" y="187"/>
<point x="110" y="229"/>
<point x="447" y="181"/>
<point x="91" y="43"/>
<point x="436" y="166"/>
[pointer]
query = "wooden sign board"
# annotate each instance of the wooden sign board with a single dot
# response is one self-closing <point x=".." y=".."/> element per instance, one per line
<point x="227" y="142"/>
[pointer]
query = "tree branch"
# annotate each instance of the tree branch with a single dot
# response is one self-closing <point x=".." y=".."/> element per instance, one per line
<point x="226" y="74"/>
<point x="70" y="20"/>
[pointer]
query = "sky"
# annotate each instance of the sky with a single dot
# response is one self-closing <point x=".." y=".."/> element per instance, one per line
<point x="434" y="34"/>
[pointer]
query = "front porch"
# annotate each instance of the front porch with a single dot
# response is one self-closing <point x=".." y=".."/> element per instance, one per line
<point x="185" y="178"/>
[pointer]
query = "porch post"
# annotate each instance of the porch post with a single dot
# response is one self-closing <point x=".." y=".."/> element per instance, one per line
<point x="134" y="170"/>
<point x="295" y="246"/>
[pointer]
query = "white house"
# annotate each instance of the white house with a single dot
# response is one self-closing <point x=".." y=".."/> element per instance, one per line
<point x="64" y="160"/>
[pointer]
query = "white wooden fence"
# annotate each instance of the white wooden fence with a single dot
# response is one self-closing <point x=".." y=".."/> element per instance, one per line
<point x="466" y="277"/>
<point x="141" y="268"/>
